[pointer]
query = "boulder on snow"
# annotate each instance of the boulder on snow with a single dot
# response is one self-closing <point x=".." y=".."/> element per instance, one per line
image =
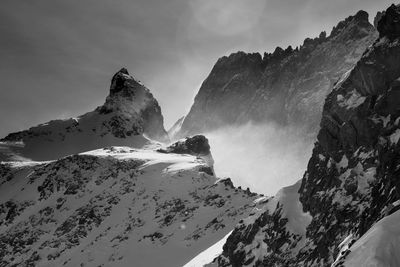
<point x="195" y="145"/>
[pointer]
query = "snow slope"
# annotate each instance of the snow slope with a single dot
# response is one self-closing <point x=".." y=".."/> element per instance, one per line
<point x="379" y="247"/>
<point x="116" y="206"/>
<point x="278" y="227"/>
<point x="208" y="255"/>
<point x="129" y="117"/>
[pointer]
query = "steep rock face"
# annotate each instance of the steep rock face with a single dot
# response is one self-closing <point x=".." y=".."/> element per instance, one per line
<point x="377" y="18"/>
<point x="351" y="180"/>
<point x="129" y="115"/>
<point x="287" y="86"/>
<point x="222" y="91"/>
<point x="132" y="100"/>
<point x="355" y="160"/>
<point x="116" y="206"/>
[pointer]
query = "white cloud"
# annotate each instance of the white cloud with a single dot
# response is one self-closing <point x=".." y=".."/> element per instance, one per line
<point x="263" y="157"/>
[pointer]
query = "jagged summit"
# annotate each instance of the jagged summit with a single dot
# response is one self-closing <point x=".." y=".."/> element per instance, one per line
<point x="129" y="116"/>
<point x="286" y="87"/>
<point x="131" y="99"/>
<point x="389" y="24"/>
<point x="360" y="19"/>
<point x="378" y="18"/>
<point x="239" y="59"/>
<point x="349" y="192"/>
<point x="125" y="90"/>
<point x="118" y="80"/>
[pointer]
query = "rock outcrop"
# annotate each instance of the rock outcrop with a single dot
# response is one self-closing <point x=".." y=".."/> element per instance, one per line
<point x="389" y="24"/>
<point x="351" y="180"/>
<point x="129" y="116"/>
<point x="195" y="145"/>
<point x="131" y="100"/>
<point x="115" y="206"/>
<point x="377" y="18"/>
<point x="287" y="86"/>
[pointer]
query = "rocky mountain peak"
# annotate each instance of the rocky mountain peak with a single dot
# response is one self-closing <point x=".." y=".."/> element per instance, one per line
<point x="286" y="86"/>
<point x="238" y="60"/>
<point x="130" y="116"/>
<point x="127" y="93"/>
<point x="132" y="102"/>
<point x="389" y="24"/>
<point x="123" y="81"/>
<point x="124" y="85"/>
<point x="377" y="18"/>
<point x="361" y="16"/>
<point x="118" y="80"/>
<point x="359" y="20"/>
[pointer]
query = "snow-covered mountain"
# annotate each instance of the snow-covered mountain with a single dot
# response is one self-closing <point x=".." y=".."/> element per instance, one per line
<point x="344" y="212"/>
<point x="117" y="206"/>
<point x="287" y="86"/>
<point x="97" y="191"/>
<point x="129" y="116"/>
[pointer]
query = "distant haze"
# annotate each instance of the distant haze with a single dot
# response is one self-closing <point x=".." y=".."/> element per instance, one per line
<point x="263" y="157"/>
<point x="57" y="57"/>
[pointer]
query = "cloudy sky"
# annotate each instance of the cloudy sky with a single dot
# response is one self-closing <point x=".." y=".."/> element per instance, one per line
<point x="57" y="57"/>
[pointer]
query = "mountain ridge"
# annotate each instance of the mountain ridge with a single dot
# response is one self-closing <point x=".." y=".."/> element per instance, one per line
<point x="117" y="206"/>
<point x="350" y="185"/>
<point x="285" y="86"/>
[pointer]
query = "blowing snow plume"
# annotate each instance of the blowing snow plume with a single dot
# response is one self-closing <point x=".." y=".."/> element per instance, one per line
<point x="263" y="157"/>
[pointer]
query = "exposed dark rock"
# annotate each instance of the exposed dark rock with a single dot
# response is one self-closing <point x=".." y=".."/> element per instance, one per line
<point x="377" y="18"/>
<point x="118" y="81"/>
<point x="195" y="145"/>
<point x="287" y="86"/>
<point x="389" y="24"/>
<point x="360" y="19"/>
<point x="351" y="125"/>
<point x="61" y="211"/>
<point x="351" y="180"/>
<point x="136" y="110"/>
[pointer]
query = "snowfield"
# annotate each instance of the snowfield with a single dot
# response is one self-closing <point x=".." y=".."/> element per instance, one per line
<point x="116" y="206"/>
<point x="379" y="247"/>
